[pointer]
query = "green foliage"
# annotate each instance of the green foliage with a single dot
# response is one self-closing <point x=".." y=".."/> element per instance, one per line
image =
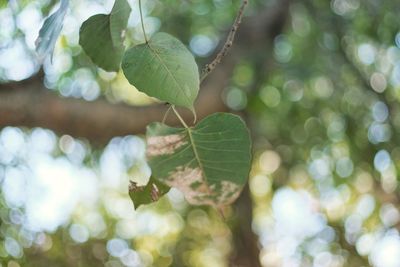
<point x="50" y="31"/>
<point x="101" y="36"/>
<point x="209" y="163"/>
<point x="163" y="68"/>
<point x="151" y="192"/>
<point x="317" y="100"/>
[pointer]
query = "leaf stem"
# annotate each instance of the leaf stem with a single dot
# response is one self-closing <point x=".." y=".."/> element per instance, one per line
<point x="179" y="117"/>
<point x="166" y="114"/>
<point x="141" y="20"/>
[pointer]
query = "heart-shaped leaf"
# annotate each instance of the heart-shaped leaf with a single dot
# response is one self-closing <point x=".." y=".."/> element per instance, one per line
<point x="209" y="163"/>
<point x="163" y="68"/>
<point x="50" y="31"/>
<point x="143" y="195"/>
<point x="101" y="36"/>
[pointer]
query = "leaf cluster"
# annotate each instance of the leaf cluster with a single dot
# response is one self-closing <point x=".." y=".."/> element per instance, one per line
<point x="208" y="162"/>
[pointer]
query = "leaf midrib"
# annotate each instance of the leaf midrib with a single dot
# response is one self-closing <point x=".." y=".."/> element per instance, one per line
<point x="167" y="69"/>
<point x="196" y="155"/>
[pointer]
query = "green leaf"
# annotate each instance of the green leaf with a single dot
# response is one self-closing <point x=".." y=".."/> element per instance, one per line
<point x="101" y="36"/>
<point x="143" y="195"/>
<point x="163" y="68"/>
<point x="50" y="31"/>
<point x="209" y="163"/>
<point x="118" y="21"/>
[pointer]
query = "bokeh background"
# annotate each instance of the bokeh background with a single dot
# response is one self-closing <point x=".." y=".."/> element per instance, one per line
<point x="318" y="82"/>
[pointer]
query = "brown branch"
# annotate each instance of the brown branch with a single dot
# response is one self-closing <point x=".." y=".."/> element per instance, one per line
<point x="28" y="103"/>
<point x="228" y="43"/>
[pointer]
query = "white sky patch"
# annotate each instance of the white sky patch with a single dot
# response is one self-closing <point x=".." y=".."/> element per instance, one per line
<point x="49" y="189"/>
<point x="16" y="62"/>
<point x="294" y="218"/>
<point x="54" y="189"/>
<point x="386" y="252"/>
<point x="295" y="215"/>
<point x="111" y="166"/>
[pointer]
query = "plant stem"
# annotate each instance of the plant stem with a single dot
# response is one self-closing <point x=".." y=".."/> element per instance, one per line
<point x="141" y="20"/>
<point x="179" y="117"/>
<point x="166" y="114"/>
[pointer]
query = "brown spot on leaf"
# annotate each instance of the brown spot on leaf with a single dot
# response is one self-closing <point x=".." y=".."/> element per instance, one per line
<point x="184" y="179"/>
<point x="164" y="145"/>
<point x="133" y="187"/>
<point x="155" y="192"/>
<point x="191" y="182"/>
<point x="226" y="193"/>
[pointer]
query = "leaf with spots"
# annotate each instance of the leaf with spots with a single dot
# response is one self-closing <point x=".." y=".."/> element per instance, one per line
<point x="163" y="68"/>
<point x="147" y="194"/>
<point x="101" y="36"/>
<point x="209" y="163"/>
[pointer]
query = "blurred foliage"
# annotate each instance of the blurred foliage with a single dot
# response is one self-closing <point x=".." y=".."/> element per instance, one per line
<point x="323" y="105"/>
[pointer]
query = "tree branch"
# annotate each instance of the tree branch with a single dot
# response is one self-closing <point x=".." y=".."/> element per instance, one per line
<point x="28" y="103"/>
<point x="228" y="43"/>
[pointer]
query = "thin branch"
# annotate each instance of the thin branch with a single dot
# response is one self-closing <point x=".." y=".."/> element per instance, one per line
<point x="228" y="43"/>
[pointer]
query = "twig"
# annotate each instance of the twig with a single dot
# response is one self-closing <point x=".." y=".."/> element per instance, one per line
<point x="228" y="43"/>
